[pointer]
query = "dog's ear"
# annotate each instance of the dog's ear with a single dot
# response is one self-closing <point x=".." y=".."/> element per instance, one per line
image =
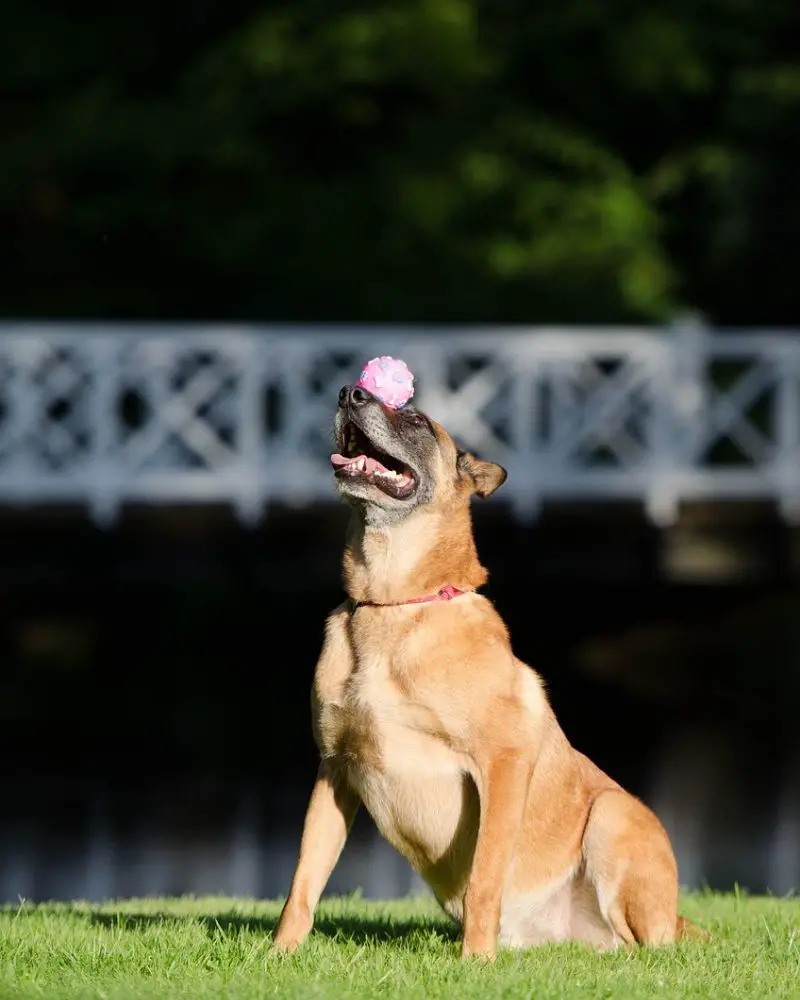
<point x="484" y="477"/>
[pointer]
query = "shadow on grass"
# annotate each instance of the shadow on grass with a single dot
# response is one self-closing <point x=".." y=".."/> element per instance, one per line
<point x="358" y="929"/>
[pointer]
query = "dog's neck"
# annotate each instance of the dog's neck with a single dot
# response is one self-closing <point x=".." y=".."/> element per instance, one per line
<point x="394" y="563"/>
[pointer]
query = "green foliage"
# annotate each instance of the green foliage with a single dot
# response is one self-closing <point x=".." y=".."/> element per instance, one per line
<point x="219" y="947"/>
<point x="435" y="160"/>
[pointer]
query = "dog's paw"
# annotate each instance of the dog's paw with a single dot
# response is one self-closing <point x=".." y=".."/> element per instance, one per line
<point x="293" y="928"/>
<point x="284" y="946"/>
<point x="484" y="955"/>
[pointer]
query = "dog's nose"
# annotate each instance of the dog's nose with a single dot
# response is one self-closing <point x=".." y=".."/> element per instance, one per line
<point x="354" y="395"/>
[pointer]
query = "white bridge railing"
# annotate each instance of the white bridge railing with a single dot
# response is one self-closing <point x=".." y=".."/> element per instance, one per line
<point x="112" y="414"/>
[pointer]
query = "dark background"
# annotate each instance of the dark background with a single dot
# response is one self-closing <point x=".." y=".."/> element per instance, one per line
<point x="449" y="161"/>
<point x="464" y="160"/>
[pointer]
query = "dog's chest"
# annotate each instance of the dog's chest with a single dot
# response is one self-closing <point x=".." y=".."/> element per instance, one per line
<point x="394" y="754"/>
<point x="373" y="722"/>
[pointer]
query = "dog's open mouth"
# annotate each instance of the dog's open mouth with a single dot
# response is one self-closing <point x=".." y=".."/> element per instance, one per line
<point x="360" y="459"/>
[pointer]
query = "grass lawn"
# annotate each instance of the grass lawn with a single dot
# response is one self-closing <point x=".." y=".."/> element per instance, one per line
<point x="215" y="947"/>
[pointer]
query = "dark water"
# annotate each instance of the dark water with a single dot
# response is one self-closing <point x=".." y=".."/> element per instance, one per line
<point x="155" y="715"/>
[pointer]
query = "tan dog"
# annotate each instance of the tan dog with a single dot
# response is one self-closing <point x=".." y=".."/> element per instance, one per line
<point x="422" y="712"/>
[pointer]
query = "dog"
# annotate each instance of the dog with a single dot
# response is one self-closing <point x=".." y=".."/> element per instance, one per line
<point x="422" y="712"/>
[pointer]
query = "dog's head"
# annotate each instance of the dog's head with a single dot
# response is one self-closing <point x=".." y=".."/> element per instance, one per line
<point x="391" y="462"/>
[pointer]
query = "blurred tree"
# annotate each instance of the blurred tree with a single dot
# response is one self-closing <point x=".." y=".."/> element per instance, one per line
<point x="441" y="160"/>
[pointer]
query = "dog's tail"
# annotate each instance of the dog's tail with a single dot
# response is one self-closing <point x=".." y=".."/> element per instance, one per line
<point x="685" y="930"/>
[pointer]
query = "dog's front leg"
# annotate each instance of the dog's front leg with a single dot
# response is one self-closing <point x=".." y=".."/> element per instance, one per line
<point x="503" y="781"/>
<point x="330" y="815"/>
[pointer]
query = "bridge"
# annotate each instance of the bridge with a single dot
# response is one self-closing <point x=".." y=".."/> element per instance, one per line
<point x="104" y="415"/>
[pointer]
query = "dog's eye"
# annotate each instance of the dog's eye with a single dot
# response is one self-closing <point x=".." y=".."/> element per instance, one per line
<point x="415" y="419"/>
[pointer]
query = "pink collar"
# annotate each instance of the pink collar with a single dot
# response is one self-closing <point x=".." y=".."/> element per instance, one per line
<point x="446" y="593"/>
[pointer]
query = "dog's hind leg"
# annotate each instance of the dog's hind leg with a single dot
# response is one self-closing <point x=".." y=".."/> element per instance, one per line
<point x="630" y="864"/>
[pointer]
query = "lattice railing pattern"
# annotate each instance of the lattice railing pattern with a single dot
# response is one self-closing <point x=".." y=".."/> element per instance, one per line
<point x="108" y="415"/>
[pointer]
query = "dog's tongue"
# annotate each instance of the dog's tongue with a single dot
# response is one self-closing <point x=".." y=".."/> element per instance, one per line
<point x="365" y="463"/>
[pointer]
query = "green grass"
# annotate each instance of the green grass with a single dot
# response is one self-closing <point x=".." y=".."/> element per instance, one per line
<point x="197" y="948"/>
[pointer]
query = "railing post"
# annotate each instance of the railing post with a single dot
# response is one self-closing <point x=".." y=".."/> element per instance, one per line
<point x="102" y="354"/>
<point x="22" y="414"/>
<point x="678" y="416"/>
<point x="526" y="500"/>
<point x="787" y="431"/>
<point x="663" y="496"/>
<point x="250" y="430"/>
